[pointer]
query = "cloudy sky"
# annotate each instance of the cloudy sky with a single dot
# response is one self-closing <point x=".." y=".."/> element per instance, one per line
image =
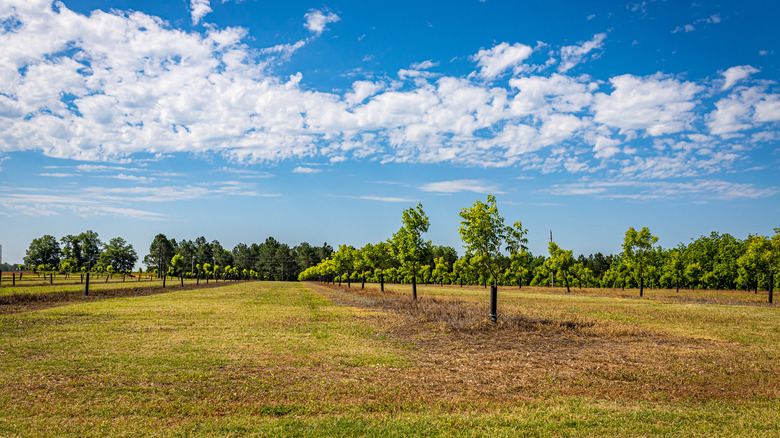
<point x="311" y="121"/>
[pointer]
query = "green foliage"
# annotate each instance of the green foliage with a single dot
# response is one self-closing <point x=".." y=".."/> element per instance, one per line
<point x="177" y="263"/>
<point x="638" y="252"/>
<point x="44" y="250"/>
<point x="407" y="244"/>
<point x="484" y="235"/>
<point x="161" y="251"/>
<point x="119" y="254"/>
<point x="561" y="261"/>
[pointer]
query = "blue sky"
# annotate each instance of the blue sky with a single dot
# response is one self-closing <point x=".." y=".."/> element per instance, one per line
<point x="311" y="121"/>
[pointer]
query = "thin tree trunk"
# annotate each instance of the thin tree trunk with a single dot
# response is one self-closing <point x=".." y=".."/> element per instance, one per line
<point x="494" y="301"/>
<point x="414" y="287"/>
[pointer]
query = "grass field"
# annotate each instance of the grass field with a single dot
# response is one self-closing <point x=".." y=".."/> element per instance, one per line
<point x="295" y="359"/>
<point x="33" y="284"/>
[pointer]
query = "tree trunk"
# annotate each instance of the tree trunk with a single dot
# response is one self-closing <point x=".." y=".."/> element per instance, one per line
<point x="181" y="278"/>
<point x="382" y="282"/>
<point x="771" y="283"/>
<point x="164" y="276"/>
<point x="414" y="287"/>
<point x="566" y="281"/>
<point x="494" y="302"/>
<point x="363" y="283"/>
<point x="86" y="285"/>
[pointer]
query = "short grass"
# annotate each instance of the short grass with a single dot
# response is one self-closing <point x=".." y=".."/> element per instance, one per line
<point x="294" y="359"/>
<point x="74" y="283"/>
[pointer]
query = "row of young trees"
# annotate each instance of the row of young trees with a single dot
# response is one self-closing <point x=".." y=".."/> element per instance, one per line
<point x="496" y="254"/>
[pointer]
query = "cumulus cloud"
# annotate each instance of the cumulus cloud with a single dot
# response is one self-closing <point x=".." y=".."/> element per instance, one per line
<point x="199" y="9"/>
<point x="111" y="85"/>
<point x="575" y="54"/>
<point x="656" y="104"/>
<point x="496" y="60"/>
<point x="316" y="20"/>
<point x="736" y="74"/>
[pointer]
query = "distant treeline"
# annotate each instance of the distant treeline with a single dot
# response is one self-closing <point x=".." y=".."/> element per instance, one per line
<point x="270" y="260"/>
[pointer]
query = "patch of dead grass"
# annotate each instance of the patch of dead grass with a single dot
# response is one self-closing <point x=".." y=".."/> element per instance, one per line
<point x="461" y="357"/>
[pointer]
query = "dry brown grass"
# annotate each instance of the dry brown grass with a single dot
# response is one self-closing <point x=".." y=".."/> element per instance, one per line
<point x="461" y="357"/>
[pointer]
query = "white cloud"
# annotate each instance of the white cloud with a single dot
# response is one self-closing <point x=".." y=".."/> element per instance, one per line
<point x="246" y="173"/>
<point x="386" y="199"/>
<point x="575" y="54"/>
<point x="605" y="147"/>
<point x="743" y="109"/>
<point x="768" y="108"/>
<point x="103" y="168"/>
<point x="134" y="178"/>
<point x="59" y="175"/>
<point x="461" y="185"/>
<point x="41" y="204"/>
<point x="316" y="20"/>
<point x="736" y="74"/>
<point x="362" y="90"/>
<point x="712" y="19"/>
<point x="199" y="9"/>
<point x="110" y="86"/>
<point x="655" y="104"/>
<point x="699" y="189"/>
<point x="494" y="61"/>
<point x="424" y="65"/>
<point x="301" y="169"/>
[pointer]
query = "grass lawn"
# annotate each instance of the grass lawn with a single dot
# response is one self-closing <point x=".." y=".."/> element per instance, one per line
<point x="295" y="359"/>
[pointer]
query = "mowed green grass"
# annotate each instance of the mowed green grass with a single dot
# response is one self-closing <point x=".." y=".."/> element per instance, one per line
<point x="73" y="284"/>
<point x="278" y="359"/>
